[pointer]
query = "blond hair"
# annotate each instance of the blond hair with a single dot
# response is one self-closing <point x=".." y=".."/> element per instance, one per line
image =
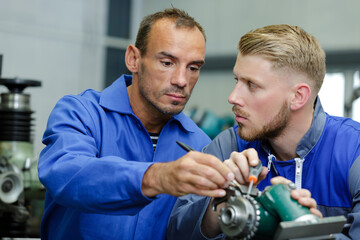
<point x="288" y="47"/>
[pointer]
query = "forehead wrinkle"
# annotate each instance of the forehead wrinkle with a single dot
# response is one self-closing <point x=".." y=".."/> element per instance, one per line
<point x="168" y="40"/>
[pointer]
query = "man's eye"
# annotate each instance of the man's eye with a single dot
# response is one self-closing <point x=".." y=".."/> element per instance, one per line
<point x="194" y="69"/>
<point x="251" y="85"/>
<point x="166" y="63"/>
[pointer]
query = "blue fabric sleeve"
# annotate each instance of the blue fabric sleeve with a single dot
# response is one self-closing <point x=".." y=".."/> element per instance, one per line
<point x="354" y="184"/>
<point x="186" y="217"/>
<point x="73" y="173"/>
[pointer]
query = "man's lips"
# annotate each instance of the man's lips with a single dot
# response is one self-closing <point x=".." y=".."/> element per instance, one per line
<point x="176" y="96"/>
<point x="239" y="118"/>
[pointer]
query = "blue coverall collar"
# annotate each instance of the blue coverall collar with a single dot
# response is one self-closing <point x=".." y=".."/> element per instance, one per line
<point x="313" y="135"/>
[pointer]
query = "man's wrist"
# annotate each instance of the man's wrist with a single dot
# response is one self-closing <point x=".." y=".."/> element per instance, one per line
<point x="210" y="227"/>
<point x="150" y="186"/>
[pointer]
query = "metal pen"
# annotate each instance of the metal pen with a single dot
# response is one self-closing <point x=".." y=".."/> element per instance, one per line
<point x="185" y="146"/>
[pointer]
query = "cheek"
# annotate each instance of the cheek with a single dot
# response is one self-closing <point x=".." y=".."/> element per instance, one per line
<point x="156" y="71"/>
<point x="192" y="82"/>
<point x="264" y="109"/>
<point x="157" y="79"/>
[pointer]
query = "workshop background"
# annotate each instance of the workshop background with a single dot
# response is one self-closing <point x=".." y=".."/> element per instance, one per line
<point x="73" y="45"/>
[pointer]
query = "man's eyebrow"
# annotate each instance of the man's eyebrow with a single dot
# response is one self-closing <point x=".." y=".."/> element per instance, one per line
<point x="199" y="62"/>
<point x="166" y="54"/>
<point x="239" y="77"/>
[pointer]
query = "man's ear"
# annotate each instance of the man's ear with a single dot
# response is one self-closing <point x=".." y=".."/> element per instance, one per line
<point x="132" y="58"/>
<point x="302" y="94"/>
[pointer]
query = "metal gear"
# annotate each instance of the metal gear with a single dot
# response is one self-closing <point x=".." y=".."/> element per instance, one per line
<point x="239" y="219"/>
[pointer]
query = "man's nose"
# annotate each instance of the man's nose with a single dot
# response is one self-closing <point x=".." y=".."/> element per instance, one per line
<point x="236" y="97"/>
<point x="179" y="78"/>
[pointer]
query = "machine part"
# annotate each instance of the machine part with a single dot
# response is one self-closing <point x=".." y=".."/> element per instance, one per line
<point x="301" y="229"/>
<point x="16" y="152"/>
<point x="277" y="200"/>
<point x="272" y="214"/>
<point x="15" y="112"/>
<point x="209" y="122"/>
<point x="18" y="213"/>
<point x="21" y="193"/>
<point x="11" y="181"/>
<point x="11" y="186"/>
<point x="17" y="85"/>
<point x="240" y="218"/>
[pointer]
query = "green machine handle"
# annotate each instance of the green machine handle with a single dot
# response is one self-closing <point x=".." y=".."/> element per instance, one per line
<point x="276" y="205"/>
<point x="278" y="202"/>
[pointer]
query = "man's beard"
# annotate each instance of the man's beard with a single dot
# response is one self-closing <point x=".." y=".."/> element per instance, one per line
<point x="145" y="90"/>
<point x="271" y="130"/>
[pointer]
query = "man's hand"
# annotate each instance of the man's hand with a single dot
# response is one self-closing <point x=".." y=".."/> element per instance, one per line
<point x="303" y="196"/>
<point x="195" y="172"/>
<point x="240" y="163"/>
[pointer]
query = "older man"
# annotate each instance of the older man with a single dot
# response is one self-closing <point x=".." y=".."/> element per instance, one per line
<point x="110" y="156"/>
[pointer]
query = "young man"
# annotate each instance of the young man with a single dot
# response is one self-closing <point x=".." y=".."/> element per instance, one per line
<point x="278" y="72"/>
<point x="110" y="156"/>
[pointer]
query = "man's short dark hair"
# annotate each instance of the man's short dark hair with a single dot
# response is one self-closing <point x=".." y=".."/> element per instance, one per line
<point x="180" y="17"/>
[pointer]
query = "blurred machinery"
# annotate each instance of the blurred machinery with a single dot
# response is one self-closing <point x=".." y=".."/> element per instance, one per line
<point x="271" y="214"/>
<point x="355" y="94"/>
<point x="209" y="122"/>
<point x="21" y="193"/>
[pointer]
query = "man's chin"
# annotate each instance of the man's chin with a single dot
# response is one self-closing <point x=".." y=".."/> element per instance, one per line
<point x="172" y="110"/>
<point x="249" y="137"/>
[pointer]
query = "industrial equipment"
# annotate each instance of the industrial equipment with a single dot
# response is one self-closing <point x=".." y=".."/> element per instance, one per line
<point x="271" y="214"/>
<point x="21" y="193"/>
<point x="209" y="122"/>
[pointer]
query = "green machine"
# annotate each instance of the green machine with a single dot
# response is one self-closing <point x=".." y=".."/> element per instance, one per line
<point x="272" y="214"/>
<point x="21" y="193"/>
<point x="211" y="123"/>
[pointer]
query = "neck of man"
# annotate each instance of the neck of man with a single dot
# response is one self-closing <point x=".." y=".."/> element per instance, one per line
<point x="284" y="146"/>
<point x="151" y="118"/>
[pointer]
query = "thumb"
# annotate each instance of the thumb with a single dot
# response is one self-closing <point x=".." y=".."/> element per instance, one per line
<point x="279" y="180"/>
<point x="263" y="174"/>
